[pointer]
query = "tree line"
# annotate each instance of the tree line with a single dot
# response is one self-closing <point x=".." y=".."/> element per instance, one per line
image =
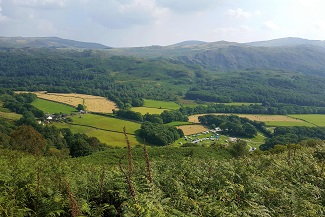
<point x="293" y="135"/>
<point x="233" y="125"/>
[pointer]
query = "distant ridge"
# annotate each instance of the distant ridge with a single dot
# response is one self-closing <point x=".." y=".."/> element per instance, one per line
<point x="50" y="42"/>
<point x="188" y="43"/>
<point x="290" y="41"/>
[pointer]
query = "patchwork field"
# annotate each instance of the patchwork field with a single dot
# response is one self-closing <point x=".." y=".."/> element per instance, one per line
<point x="92" y="103"/>
<point x="107" y="129"/>
<point x="313" y="119"/>
<point x="270" y="120"/>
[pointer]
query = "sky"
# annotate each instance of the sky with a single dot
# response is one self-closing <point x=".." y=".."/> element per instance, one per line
<point x="134" y="23"/>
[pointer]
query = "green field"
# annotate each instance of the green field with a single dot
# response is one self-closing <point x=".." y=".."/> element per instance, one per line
<point x="242" y="103"/>
<point x="189" y="103"/>
<point x="145" y="110"/>
<point x="287" y="124"/>
<point x="160" y="104"/>
<point x="106" y="123"/>
<point x="178" y="123"/>
<point x="256" y="141"/>
<point x="110" y="138"/>
<point x="52" y="107"/>
<point x="2" y="109"/>
<point x="10" y="115"/>
<point x="107" y="129"/>
<point x="313" y="119"/>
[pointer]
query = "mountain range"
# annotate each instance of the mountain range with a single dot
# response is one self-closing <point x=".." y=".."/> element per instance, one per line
<point x="289" y="54"/>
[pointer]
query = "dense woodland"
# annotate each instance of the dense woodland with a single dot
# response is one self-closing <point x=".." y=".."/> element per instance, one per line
<point x="127" y="80"/>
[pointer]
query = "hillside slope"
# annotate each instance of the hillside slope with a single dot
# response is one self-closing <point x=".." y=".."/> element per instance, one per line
<point x="54" y="42"/>
<point x="290" y="54"/>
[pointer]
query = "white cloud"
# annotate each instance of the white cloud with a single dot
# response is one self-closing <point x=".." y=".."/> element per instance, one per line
<point x="244" y="28"/>
<point x="239" y="13"/>
<point x="45" y="4"/>
<point x="319" y="25"/>
<point x="187" y="6"/>
<point x="270" y="25"/>
<point x="146" y="6"/>
<point x="232" y="30"/>
<point x="47" y="26"/>
<point x="2" y="17"/>
<point x="258" y="13"/>
<point x="124" y="14"/>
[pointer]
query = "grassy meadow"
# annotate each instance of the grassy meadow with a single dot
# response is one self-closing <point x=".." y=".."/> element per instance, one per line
<point x="52" y="107"/>
<point x="189" y="103"/>
<point x="242" y="103"/>
<point x="2" y="109"/>
<point x="179" y="123"/>
<point x="106" y="123"/>
<point x="7" y="114"/>
<point x="145" y="110"/>
<point x="10" y="115"/>
<point x="312" y="119"/>
<point x="107" y="129"/>
<point x="110" y="138"/>
<point x="160" y="104"/>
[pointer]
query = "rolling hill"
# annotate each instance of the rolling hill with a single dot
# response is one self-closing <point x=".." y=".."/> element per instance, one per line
<point x="52" y="42"/>
<point x="290" y="41"/>
<point x="289" y="54"/>
<point x="215" y="71"/>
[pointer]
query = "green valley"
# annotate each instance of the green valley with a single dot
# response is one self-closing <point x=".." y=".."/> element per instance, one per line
<point x="190" y="129"/>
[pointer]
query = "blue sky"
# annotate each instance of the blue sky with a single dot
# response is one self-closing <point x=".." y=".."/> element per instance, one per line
<point x="130" y="23"/>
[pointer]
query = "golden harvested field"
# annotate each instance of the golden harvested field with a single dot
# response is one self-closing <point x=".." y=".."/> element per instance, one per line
<point x="262" y="118"/>
<point x="194" y="118"/>
<point x="192" y="129"/>
<point x="265" y="118"/>
<point x="92" y="103"/>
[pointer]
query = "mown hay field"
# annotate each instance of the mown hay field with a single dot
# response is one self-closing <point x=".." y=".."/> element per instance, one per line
<point x="93" y="103"/>
<point x="270" y="120"/>
<point x="193" y="129"/>
<point x="314" y="119"/>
